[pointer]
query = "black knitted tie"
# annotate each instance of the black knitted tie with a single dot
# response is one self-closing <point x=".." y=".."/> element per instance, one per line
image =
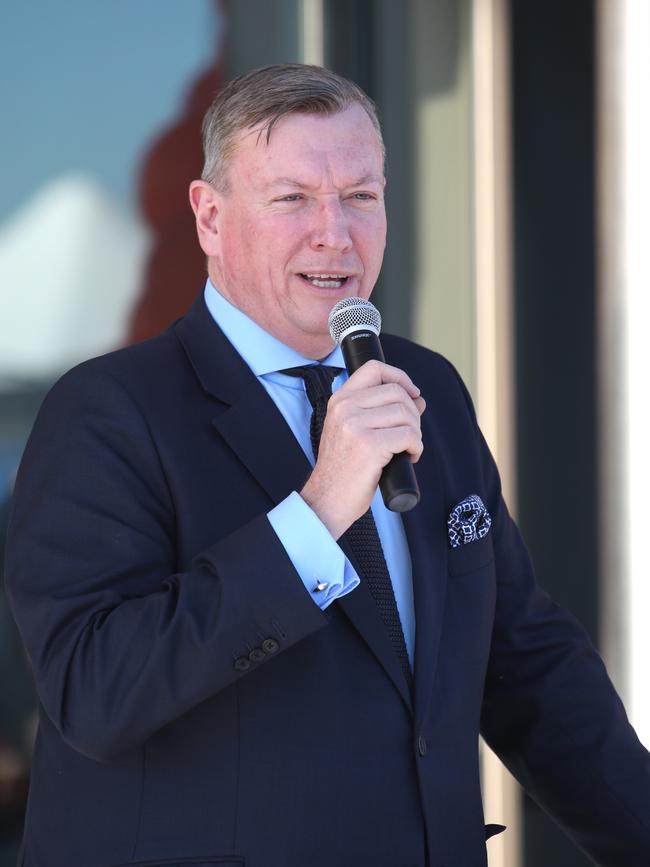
<point x="362" y="536"/>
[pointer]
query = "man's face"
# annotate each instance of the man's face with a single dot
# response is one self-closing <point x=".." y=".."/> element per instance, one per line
<point x="302" y="225"/>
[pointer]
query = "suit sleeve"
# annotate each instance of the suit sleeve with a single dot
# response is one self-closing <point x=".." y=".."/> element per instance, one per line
<point x="122" y="640"/>
<point x="550" y="710"/>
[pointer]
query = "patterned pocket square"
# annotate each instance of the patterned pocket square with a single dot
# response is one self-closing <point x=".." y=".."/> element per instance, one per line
<point x="468" y="521"/>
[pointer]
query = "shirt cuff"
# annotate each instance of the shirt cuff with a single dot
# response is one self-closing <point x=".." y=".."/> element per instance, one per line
<point x="315" y="555"/>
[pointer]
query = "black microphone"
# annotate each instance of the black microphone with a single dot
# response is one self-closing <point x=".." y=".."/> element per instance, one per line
<point x="355" y="324"/>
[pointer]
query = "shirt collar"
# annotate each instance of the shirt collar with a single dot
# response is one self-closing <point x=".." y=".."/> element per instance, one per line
<point x="261" y="351"/>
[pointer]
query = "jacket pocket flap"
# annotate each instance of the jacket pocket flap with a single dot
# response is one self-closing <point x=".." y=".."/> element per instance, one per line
<point x="470" y="557"/>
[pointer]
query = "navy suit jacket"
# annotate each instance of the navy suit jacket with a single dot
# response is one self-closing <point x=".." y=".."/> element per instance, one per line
<point x="198" y="708"/>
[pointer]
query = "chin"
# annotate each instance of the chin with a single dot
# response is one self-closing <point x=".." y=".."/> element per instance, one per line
<point x="314" y="343"/>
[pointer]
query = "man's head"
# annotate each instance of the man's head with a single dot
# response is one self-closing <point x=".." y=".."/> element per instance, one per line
<point x="292" y="194"/>
<point x="262" y="97"/>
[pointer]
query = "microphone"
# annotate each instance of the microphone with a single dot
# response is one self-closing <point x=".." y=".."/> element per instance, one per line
<point x="355" y="323"/>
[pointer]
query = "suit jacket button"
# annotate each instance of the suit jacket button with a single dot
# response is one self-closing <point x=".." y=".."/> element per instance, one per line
<point x="256" y="654"/>
<point x="422" y="745"/>
<point x="242" y="664"/>
<point x="270" y="645"/>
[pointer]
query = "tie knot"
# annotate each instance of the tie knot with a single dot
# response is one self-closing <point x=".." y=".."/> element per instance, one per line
<point x="318" y="380"/>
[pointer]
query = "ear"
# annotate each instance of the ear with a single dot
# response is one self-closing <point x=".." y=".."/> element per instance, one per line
<point x="204" y="200"/>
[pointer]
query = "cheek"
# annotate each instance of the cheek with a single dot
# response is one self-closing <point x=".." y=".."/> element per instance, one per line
<point x="373" y="244"/>
<point x="264" y="239"/>
<point x="237" y="247"/>
<point x="380" y="234"/>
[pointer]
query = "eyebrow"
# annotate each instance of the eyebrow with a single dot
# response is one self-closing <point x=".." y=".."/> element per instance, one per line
<point x="292" y="182"/>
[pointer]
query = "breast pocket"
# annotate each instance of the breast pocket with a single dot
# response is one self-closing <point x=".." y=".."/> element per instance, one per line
<point x="470" y="557"/>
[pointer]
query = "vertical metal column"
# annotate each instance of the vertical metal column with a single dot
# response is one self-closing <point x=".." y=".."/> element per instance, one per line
<point x="443" y="299"/>
<point x="494" y="325"/>
<point x="313" y="32"/>
<point x="624" y="330"/>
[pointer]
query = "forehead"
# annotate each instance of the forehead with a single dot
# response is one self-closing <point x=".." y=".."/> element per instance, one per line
<point x="341" y="144"/>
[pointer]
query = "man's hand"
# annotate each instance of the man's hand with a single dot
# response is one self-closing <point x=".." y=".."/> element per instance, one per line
<point x="374" y="416"/>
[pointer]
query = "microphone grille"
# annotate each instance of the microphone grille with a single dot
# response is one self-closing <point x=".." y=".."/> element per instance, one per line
<point x="352" y="314"/>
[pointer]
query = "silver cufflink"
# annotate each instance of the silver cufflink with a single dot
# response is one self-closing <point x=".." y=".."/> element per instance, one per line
<point x="320" y="586"/>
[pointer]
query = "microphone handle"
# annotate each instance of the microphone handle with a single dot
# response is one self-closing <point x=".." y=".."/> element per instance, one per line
<point x="398" y="484"/>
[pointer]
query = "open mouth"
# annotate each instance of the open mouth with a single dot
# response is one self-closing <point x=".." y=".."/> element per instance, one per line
<point x="326" y="281"/>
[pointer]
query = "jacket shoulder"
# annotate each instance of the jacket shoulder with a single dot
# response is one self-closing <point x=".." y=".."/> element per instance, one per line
<point x="434" y="374"/>
<point x="399" y="349"/>
<point x="140" y="370"/>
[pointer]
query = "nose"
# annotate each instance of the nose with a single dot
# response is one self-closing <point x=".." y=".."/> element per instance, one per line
<point x="330" y="230"/>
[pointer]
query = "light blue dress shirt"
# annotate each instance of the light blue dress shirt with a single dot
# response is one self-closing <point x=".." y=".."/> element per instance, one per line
<point x="314" y="553"/>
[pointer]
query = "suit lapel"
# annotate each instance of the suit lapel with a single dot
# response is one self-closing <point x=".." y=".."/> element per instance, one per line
<point x="427" y="540"/>
<point x="362" y="610"/>
<point x="427" y="545"/>
<point x="280" y="466"/>
<point x="257" y="433"/>
<point x="250" y="423"/>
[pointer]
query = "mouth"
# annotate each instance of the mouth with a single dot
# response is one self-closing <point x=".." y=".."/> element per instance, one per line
<point x="326" y="281"/>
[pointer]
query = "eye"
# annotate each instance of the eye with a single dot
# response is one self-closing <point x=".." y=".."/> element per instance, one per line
<point x="291" y="197"/>
<point x="364" y="197"/>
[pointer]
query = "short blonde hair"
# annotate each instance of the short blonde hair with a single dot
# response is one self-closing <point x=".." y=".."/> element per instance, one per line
<point x="262" y="97"/>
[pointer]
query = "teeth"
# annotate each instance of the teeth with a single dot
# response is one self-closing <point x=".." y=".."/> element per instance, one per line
<point x="326" y="281"/>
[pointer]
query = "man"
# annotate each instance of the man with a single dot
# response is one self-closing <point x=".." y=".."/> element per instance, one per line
<point x="230" y="671"/>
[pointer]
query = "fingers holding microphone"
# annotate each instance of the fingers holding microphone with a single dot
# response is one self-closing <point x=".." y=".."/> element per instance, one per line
<point x="392" y="406"/>
<point x="355" y="324"/>
<point x="377" y="373"/>
<point x="372" y="417"/>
